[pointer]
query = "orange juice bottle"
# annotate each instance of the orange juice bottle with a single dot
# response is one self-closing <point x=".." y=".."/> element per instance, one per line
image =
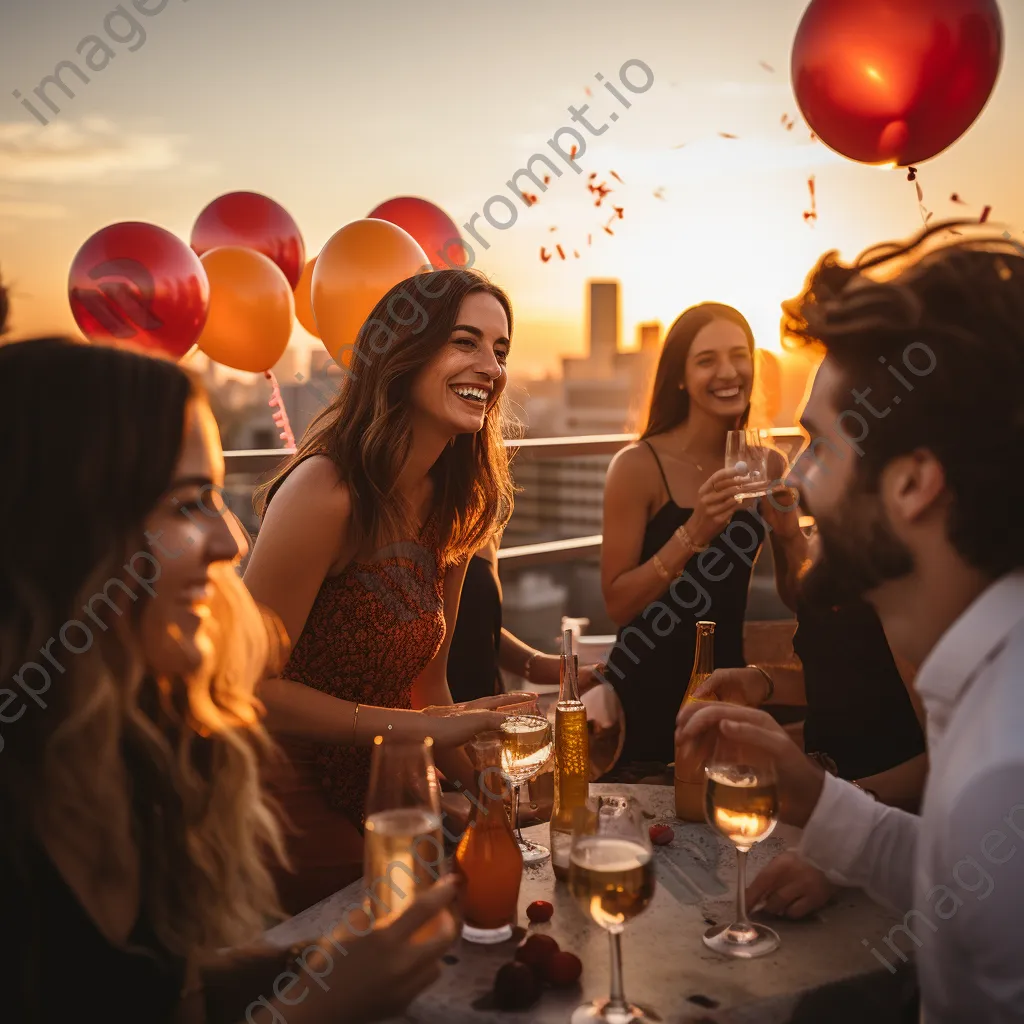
<point x="689" y="768"/>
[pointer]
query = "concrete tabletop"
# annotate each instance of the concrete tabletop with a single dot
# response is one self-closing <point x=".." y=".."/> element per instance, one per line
<point x="822" y="971"/>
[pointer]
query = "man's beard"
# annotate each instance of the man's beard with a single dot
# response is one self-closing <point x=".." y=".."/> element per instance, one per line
<point x="857" y="553"/>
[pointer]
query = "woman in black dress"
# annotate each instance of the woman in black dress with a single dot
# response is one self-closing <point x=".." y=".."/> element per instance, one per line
<point x="678" y="547"/>
<point x="482" y="649"/>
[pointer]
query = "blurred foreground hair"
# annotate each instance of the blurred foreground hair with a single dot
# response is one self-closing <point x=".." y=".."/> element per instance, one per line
<point x="97" y="436"/>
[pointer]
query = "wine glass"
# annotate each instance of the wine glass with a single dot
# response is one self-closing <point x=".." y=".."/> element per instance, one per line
<point x="741" y="803"/>
<point x="611" y="876"/>
<point x="745" y="451"/>
<point x="404" y="850"/>
<point x="527" y="744"/>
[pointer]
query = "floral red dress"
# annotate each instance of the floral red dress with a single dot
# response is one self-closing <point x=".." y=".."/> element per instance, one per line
<point x="372" y="630"/>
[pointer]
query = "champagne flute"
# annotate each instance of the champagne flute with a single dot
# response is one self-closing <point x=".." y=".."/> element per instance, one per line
<point x="744" y="450"/>
<point x="404" y="850"/>
<point x="611" y="876"/>
<point x="527" y="744"/>
<point x="741" y="803"/>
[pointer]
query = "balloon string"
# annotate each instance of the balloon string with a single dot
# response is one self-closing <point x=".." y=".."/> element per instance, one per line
<point x="281" y="416"/>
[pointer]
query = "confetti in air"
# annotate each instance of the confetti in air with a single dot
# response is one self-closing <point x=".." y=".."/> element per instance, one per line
<point x="811" y="215"/>
<point x="728" y="135"/>
<point x="985" y="215"/>
<point x="659" y="193"/>
<point x="560" y="251"/>
<point x="544" y="255"/>
<point x="767" y="66"/>
<point x="788" y="123"/>
<point x="616" y="177"/>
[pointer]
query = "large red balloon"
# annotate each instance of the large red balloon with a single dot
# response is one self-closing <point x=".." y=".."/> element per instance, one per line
<point x="434" y="230"/>
<point x="895" y="81"/>
<point x="252" y="221"/>
<point x="138" y="285"/>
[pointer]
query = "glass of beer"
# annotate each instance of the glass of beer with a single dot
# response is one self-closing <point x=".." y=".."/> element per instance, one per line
<point x="527" y="744"/>
<point x="741" y="803"/>
<point x="611" y="876"/>
<point x="404" y="849"/>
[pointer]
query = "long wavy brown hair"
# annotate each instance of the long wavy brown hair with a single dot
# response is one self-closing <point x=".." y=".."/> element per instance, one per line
<point x="97" y="434"/>
<point x="366" y="431"/>
<point x="670" y="405"/>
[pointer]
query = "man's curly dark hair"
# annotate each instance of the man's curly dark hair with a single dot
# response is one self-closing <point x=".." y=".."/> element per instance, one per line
<point x="948" y="315"/>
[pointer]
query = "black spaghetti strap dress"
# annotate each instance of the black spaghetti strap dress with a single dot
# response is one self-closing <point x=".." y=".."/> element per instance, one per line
<point x="652" y="659"/>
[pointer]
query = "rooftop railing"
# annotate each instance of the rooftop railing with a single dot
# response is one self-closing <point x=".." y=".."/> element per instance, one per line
<point x="264" y="461"/>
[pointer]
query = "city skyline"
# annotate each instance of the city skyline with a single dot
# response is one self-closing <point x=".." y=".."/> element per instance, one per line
<point x="302" y="105"/>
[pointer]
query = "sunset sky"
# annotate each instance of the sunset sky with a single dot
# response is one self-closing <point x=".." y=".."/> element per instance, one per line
<point x="330" y="108"/>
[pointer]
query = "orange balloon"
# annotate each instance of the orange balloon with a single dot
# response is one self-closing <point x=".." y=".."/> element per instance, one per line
<point x="251" y="309"/>
<point x="358" y="266"/>
<point x="304" y="301"/>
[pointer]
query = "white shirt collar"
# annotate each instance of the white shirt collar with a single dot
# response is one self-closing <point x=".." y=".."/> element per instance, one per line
<point x="968" y="643"/>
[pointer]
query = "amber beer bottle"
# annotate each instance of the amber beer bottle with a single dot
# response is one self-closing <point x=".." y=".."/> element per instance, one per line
<point x="572" y="759"/>
<point x="689" y="769"/>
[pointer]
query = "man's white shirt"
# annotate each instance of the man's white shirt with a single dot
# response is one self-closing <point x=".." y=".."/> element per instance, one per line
<point x="956" y="872"/>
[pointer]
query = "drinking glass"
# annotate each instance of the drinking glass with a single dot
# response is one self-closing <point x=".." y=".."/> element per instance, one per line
<point x="404" y="850"/>
<point x="527" y="744"/>
<point x="744" y="450"/>
<point x="741" y="803"/>
<point x="611" y="876"/>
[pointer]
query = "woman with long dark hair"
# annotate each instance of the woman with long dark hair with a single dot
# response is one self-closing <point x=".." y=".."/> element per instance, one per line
<point x="668" y="498"/>
<point x="362" y="551"/>
<point x="135" y="835"/>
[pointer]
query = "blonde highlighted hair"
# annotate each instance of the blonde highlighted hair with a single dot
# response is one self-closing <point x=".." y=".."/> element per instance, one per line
<point x="178" y="757"/>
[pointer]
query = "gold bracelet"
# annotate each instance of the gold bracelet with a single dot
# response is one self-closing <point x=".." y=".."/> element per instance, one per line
<point x="768" y="679"/>
<point x="355" y="718"/>
<point x="684" y="535"/>
<point x="660" y="566"/>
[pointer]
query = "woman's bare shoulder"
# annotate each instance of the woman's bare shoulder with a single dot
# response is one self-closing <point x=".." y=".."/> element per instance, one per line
<point x="315" y="485"/>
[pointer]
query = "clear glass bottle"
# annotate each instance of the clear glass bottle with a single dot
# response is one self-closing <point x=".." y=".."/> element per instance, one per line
<point x="572" y="759"/>
<point x="689" y="767"/>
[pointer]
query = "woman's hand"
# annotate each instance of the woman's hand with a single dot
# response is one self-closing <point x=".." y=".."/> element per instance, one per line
<point x="790" y="887"/>
<point x="735" y="686"/>
<point x="591" y="676"/>
<point x="782" y="513"/>
<point x="800" y="780"/>
<point x="385" y="970"/>
<point x="454" y="730"/>
<point x="716" y="505"/>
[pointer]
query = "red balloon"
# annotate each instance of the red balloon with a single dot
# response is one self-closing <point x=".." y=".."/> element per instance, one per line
<point x="434" y="230"/>
<point x="895" y="81"/>
<point x="138" y="285"/>
<point x="252" y="221"/>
